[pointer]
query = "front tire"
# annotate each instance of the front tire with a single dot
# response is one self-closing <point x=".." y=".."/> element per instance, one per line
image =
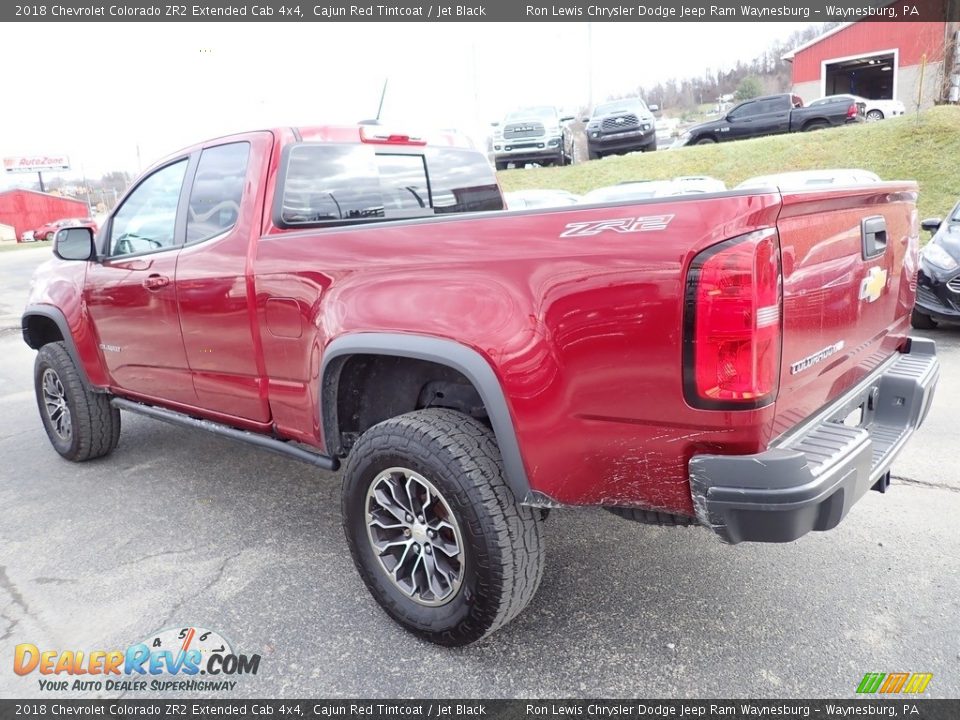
<point x="706" y="140"/>
<point x="438" y="536"/>
<point x="920" y="321"/>
<point x="82" y="425"/>
<point x="874" y="115"/>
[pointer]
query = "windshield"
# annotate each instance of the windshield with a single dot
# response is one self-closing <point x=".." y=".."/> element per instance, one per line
<point x="628" y="105"/>
<point x="543" y="114"/>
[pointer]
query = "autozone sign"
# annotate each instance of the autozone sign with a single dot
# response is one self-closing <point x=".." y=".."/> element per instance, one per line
<point x="33" y="163"/>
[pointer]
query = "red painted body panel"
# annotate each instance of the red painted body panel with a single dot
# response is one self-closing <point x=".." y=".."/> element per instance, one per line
<point x="822" y="273"/>
<point x="585" y="334"/>
<point x="215" y="296"/>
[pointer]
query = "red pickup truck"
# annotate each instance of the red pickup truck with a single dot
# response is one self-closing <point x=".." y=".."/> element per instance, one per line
<point x="738" y="360"/>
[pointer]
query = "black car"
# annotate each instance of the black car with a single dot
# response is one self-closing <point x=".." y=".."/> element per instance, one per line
<point x="773" y="115"/>
<point x="938" y="281"/>
<point x="621" y="126"/>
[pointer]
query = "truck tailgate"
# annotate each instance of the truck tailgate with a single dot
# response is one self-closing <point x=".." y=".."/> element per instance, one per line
<point x="849" y="265"/>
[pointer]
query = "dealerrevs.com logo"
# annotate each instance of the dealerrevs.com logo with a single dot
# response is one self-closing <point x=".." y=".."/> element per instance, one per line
<point x="188" y="659"/>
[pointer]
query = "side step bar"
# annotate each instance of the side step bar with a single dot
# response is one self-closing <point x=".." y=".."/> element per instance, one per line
<point x="280" y="447"/>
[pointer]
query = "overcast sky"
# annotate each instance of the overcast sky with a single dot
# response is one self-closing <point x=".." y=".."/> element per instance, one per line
<point x="98" y="91"/>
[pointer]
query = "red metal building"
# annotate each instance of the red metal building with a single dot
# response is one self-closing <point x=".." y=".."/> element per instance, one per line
<point x="28" y="209"/>
<point x="877" y="60"/>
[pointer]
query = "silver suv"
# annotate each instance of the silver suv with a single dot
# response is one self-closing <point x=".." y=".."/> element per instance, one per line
<point x="532" y="135"/>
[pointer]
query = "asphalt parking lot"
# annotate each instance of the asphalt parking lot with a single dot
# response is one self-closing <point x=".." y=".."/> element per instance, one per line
<point x="179" y="528"/>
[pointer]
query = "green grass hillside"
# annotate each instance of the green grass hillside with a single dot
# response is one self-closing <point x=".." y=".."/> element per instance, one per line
<point x="898" y="149"/>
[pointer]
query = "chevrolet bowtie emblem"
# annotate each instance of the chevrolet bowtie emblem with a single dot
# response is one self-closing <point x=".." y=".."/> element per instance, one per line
<point x="871" y="287"/>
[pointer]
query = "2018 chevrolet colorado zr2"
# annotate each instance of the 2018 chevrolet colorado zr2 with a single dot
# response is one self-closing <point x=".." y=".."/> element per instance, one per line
<point x="738" y="360"/>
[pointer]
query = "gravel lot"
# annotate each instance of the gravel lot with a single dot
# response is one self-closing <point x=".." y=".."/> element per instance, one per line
<point x="179" y="528"/>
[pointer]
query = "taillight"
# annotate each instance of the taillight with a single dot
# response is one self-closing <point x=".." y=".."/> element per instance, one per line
<point x="732" y="323"/>
<point x="852" y="111"/>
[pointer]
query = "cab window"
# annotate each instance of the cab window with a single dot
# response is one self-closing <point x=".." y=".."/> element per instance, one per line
<point x="147" y="219"/>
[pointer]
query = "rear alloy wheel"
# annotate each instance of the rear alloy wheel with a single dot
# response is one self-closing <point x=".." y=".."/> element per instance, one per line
<point x="81" y="424"/>
<point x="434" y="529"/>
<point x="874" y="115"/>
<point x="920" y="321"/>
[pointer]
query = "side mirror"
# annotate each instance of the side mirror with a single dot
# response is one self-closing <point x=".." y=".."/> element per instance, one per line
<point x="74" y="243"/>
<point x="931" y="224"/>
<point x="585" y="119"/>
<point x="653" y="108"/>
<point x="495" y="124"/>
<point x="566" y="118"/>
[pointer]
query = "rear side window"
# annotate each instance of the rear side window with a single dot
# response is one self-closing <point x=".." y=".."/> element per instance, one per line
<point x="330" y="184"/>
<point x="217" y="191"/>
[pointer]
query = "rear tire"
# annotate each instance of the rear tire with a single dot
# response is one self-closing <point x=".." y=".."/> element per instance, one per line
<point x="874" y="115"/>
<point x="452" y="460"/>
<point x="82" y="425"/>
<point x="920" y="321"/>
<point x="814" y="126"/>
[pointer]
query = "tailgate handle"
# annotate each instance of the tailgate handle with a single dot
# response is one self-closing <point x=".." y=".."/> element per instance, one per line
<point x="873" y="231"/>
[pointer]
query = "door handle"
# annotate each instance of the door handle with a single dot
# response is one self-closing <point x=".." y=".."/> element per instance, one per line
<point x="873" y="232"/>
<point x="155" y="282"/>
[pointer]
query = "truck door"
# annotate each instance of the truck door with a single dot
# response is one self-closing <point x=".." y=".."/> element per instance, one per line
<point x="214" y="293"/>
<point x="130" y="292"/>
<point x="767" y="116"/>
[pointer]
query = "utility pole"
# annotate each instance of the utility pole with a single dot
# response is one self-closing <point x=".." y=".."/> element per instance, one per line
<point x="383" y="94"/>
<point x="590" y="65"/>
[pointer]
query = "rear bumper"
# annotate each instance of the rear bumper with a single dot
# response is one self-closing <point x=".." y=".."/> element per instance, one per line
<point x="811" y="477"/>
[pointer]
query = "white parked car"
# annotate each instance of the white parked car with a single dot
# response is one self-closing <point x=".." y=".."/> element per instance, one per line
<point x="874" y="110"/>
<point x="810" y="179"/>
<point x="644" y="189"/>
<point x="525" y="199"/>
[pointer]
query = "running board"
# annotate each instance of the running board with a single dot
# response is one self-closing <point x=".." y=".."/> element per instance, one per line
<point x="280" y="447"/>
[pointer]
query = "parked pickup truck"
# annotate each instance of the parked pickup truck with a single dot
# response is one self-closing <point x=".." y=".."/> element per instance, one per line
<point x="772" y="115"/>
<point x="737" y="360"/>
<point x="532" y="135"/>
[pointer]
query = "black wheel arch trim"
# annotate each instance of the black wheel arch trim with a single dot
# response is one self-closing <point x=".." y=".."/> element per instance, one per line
<point x="443" y="352"/>
<point x="60" y="320"/>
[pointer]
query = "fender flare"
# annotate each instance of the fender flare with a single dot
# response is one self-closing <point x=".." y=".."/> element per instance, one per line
<point x="450" y="353"/>
<point x="60" y="320"/>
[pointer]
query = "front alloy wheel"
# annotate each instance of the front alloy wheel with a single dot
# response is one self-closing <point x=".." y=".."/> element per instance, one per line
<point x="55" y="405"/>
<point x="415" y="536"/>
